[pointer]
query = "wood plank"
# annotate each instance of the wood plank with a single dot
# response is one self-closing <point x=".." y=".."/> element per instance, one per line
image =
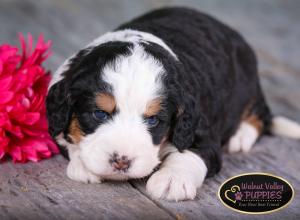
<point x="43" y="191"/>
<point x="269" y="155"/>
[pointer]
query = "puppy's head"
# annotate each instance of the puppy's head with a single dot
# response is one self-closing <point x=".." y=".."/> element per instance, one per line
<point x="114" y="104"/>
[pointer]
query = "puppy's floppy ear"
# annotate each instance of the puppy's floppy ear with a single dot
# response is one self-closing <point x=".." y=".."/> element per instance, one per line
<point x="58" y="108"/>
<point x="183" y="134"/>
<point x="58" y="103"/>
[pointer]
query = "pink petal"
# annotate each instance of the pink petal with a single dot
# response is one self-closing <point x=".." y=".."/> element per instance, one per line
<point x="31" y="118"/>
<point x="16" y="154"/>
<point x="1" y="66"/>
<point x="4" y="141"/>
<point x="9" y="108"/>
<point x="5" y="97"/>
<point x="4" y="120"/>
<point x="26" y="102"/>
<point x="2" y="153"/>
<point x="52" y="146"/>
<point x="23" y="45"/>
<point x="31" y="131"/>
<point x="16" y="131"/>
<point x="30" y="42"/>
<point x="23" y="88"/>
<point x="32" y="155"/>
<point x="5" y="82"/>
<point x="7" y="51"/>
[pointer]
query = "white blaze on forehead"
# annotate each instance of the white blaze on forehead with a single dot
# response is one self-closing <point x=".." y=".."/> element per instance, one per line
<point x="127" y="35"/>
<point x="135" y="80"/>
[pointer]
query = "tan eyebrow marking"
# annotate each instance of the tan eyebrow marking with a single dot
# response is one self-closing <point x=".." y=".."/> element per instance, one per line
<point x="105" y="102"/>
<point x="153" y="107"/>
<point x="75" y="132"/>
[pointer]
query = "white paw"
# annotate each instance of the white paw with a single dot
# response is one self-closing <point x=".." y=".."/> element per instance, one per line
<point x="76" y="171"/>
<point x="171" y="185"/>
<point x="244" y="138"/>
<point x="178" y="178"/>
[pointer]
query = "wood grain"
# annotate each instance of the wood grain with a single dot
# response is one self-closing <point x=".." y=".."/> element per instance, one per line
<point x="42" y="190"/>
<point x="271" y="155"/>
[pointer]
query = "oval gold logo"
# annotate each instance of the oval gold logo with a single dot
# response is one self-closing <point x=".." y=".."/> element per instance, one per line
<point x="256" y="193"/>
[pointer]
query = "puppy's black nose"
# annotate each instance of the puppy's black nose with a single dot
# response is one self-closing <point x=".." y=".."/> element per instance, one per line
<point x="120" y="163"/>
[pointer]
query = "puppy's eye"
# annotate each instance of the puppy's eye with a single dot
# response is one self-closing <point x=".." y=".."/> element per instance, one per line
<point x="152" y="121"/>
<point x="101" y="115"/>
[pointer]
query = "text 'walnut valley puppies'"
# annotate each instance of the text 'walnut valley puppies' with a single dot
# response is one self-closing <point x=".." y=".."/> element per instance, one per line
<point x="167" y="89"/>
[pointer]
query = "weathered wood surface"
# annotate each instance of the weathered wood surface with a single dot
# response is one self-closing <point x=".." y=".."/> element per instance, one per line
<point x="42" y="191"/>
<point x="269" y="155"/>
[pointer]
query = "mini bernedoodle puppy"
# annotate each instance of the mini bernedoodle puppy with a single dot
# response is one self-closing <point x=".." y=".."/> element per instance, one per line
<point x="159" y="96"/>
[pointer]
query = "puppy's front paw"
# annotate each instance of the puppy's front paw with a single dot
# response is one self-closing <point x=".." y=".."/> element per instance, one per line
<point x="172" y="185"/>
<point x="76" y="171"/>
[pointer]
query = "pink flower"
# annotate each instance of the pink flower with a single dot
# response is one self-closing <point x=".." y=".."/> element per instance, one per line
<point x="23" y="87"/>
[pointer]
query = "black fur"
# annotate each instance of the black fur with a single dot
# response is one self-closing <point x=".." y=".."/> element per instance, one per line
<point x="75" y="94"/>
<point x="206" y="90"/>
<point x="214" y="80"/>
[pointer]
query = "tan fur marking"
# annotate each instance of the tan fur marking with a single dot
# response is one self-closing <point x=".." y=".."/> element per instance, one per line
<point x="252" y="119"/>
<point x="75" y="132"/>
<point x="153" y="107"/>
<point x="106" y="102"/>
<point x="256" y="122"/>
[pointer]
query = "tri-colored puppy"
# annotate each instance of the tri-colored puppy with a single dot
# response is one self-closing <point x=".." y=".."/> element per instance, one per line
<point x="165" y="91"/>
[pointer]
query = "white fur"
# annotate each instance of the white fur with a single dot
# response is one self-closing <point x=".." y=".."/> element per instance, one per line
<point x="135" y="81"/>
<point x="285" y="127"/>
<point x="126" y="35"/>
<point x="77" y="171"/>
<point x="62" y="141"/>
<point x="179" y="176"/>
<point x="244" y="138"/>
